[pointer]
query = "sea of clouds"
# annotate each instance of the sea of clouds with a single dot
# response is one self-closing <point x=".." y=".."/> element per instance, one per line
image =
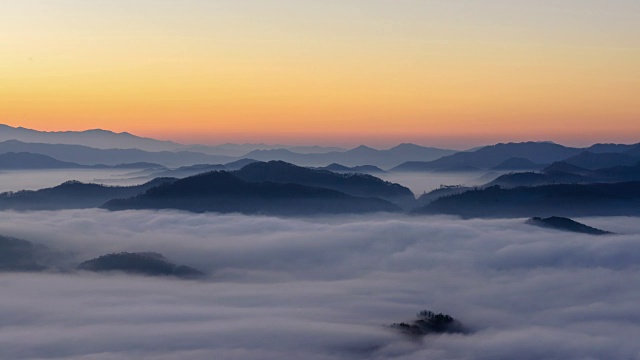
<point x="323" y="288"/>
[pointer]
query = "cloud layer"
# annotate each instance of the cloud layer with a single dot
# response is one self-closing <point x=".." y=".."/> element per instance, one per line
<point x="324" y="288"/>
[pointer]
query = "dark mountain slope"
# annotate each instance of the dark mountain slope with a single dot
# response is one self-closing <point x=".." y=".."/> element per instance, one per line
<point x="517" y="163"/>
<point x="443" y="190"/>
<point x="224" y="192"/>
<point x="594" y="161"/>
<point x="29" y="161"/>
<point x="549" y="200"/>
<point x="140" y="263"/>
<point x="361" y="185"/>
<point x="634" y="151"/>
<point x="238" y="164"/>
<point x="565" y="224"/>
<point x="363" y="169"/>
<point x="72" y="195"/>
<point x="185" y="171"/>
<point x="610" y="148"/>
<point x="22" y="255"/>
<point x="565" y="173"/>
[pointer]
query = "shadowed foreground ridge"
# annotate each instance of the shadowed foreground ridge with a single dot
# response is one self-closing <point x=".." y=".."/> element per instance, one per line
<point x="142" y="263"/>
<point x="566" y="224"/>
<point x="428" y="323"/>
<point x="223" y="192"/>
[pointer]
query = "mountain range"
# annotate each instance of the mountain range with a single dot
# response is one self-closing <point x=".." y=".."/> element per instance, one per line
<point x="105" y="139"/>
<point x="361" y="155"/>
<point x="567" y="200"/>
<point x="30" y="161"/>
<point x="563" y="172"/>
<point x="518" y="156"/>
<point x="72" y="195"/>
<point x="224" y="192"/>
<point x="355" y="184"/>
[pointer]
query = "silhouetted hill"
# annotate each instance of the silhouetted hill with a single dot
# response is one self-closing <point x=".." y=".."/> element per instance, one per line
<point x="25" y="160"/>
<point x="618" y="173"/>
<point x="610" y="148"/>
<point x="72" y="195"/>
<point x="137" y="165"/>
<point x="185" y="171"/>
<point x="563" y="167"/>
<point x="85" y="155"/>
<point x="95" y="138"/>
<point x="634" y="151"/>
<point x="428" y="322"/>
<point x="594" y="161"/>
<point x="224" y="192"/>
<point x="565" y="224"/>
<point x="335" y="168"/>
<point x="361" y="185"/>
<point x="105" y="139"/>
<point x="457" y="169"/>
<point x="549" y="200"/>
<point x="238" y="164"/>
<point x="30" y="161"/>
<point x="443" y="190"/>
<point x="363" y="169"/>
<point x="491" y="156"/>
<point x="565" y="173"/>
<point x="537" y="179"/>
<point x="517" y="163"/>
<point x="361" y="155"/>
<point x="22" y="255"/>
<point x="141" y="263"/>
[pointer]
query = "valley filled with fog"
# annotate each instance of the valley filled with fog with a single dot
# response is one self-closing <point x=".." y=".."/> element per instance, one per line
<point x="521" y="250"/>
<point x="16" y="180"/>
<point x="322" y="288"/>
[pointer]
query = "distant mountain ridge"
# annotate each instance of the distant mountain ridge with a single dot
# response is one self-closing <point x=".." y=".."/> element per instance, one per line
<point x="494" y="155"/>
<point x="520" y="155"/>
<point x="98" y="146"/>
<point x="361" y="155"/>
<point x="95" y="138"/>
<point x="85" y="155"/>
<point x="105" y="139"/>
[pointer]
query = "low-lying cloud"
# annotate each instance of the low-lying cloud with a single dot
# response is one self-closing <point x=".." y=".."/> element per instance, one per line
<point x="323" y="288"/>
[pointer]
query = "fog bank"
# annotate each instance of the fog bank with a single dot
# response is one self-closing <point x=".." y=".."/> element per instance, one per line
<point x="324" y="288"/>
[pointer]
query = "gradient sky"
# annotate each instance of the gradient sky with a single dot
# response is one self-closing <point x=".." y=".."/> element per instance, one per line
<point x="436" y="72"/>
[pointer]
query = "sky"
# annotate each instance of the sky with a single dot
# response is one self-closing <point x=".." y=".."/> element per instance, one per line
<point x="449" y="73"/>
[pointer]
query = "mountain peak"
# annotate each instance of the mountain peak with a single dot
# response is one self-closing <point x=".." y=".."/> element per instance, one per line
<point x="363" y="147"/>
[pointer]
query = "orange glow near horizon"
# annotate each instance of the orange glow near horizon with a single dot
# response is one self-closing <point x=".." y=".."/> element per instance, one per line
<point x="328" y="73"/>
